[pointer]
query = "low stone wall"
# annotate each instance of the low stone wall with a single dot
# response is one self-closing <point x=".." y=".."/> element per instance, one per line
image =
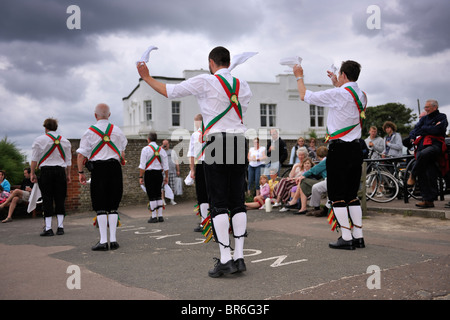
<point x="79" y="199"/>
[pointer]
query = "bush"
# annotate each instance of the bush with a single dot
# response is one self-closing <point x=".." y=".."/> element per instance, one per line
<point x="12" y="161"/>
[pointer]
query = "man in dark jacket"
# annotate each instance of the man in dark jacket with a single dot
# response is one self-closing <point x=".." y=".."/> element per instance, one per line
<point x="276" y="151"/>
<point x="429" y="137"/>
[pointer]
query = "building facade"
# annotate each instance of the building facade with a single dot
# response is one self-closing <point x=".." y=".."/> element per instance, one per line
<point x="273" y="105"/>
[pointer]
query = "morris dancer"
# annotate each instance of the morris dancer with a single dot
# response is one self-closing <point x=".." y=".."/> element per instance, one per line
<point x="347" y="104"/>
<point x="53" y="155"/>
<point x="196" y="156"/>
<point x="103" y="144"/>
<point x="153" y="162"/>
<point x="223" y="100"/>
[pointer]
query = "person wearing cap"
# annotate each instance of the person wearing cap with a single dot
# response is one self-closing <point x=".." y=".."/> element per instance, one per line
<point x="53" y="155"/>
<point x="346" y="103"/>
<point x="223" y="101"/>
<point x="101" y="150"/>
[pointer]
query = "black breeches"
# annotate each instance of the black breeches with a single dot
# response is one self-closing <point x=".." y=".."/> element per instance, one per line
<point x="53" y="185"/>
<point x="106" y="185"/>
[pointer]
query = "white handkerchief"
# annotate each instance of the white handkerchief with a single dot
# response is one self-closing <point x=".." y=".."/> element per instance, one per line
<point x="333" y="68"/>
<point x="146" y="54"/>
<point x="291" y="61"/>
<point x="189" y="181"/>
<point x="240" y="59"/>
<point x="143" y="188"/>
<point x="34" y="197"/>
<point x="168" y="193"/>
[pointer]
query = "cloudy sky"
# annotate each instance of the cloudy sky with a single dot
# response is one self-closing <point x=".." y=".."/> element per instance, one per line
<point x="49" y="70"/>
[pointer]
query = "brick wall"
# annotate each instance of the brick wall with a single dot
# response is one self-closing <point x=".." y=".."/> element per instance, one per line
<point x="79" y="199"/>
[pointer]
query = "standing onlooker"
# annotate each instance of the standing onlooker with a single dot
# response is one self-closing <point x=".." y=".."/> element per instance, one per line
<point x="276" y="151"/>
<point x="103" y="145"/>
<point x="393" y="144"/>
<point x="312" y="149"/>
<point x="256" y="157"/>
<point x="375" y="143"/>
<point x="53" y="155"/>
<point x="300" y="143"/>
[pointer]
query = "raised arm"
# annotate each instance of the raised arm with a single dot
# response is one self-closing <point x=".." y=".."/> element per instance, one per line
<point x="155" y="84"/>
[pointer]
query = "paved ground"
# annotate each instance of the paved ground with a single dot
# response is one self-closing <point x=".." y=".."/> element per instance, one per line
<point x="287" y="257"/>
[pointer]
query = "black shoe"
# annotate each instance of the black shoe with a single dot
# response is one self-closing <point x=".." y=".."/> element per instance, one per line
<point x="221" y="269"/>
<point x="152" y="220"/>
<point x="60" y="231"/>
<point x="114" y="245"/>
<point x="100" y="247"/>
<point x="198" y="229"/>
<point x="160" y="219"/>
<point x="47" y="233"/>
<point x="358" y="243"/>
<point x="342" y="244"/>
<point x="240" y="265"/>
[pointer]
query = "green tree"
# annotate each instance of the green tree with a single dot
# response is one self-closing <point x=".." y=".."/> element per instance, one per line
<point x="396" y="112"/>
<point x="12" y="161"/>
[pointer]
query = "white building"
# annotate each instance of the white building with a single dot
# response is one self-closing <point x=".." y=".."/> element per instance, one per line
<point x="273" y="105"/>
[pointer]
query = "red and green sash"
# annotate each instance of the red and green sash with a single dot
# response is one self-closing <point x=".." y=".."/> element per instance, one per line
<point x="156" y="155"/>
<point x="105" y="140"/>
<point x="232" y="94"/>
<point x="56" y="145"/>
<point x="362" y="116"/>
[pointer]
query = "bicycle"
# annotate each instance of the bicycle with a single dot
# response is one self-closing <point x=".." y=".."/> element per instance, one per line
<point x="386" y="179"/>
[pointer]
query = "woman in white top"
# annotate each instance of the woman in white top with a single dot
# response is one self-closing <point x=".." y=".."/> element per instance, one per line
<point x="256" y="156"/>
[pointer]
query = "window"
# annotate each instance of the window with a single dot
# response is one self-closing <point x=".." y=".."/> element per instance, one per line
<point x="268" y="115"/>
<point x="316" y="115"/>
<point x="176" y="114"/>
<point x="148" y="110"/>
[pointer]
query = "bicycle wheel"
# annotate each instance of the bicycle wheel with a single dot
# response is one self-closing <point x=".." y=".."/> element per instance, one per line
<point x="381" y="186"/>
<point x="410" y="191"/>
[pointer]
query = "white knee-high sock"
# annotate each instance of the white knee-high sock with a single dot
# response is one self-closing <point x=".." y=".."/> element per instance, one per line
<point x="221" y="227"/>
<point x="60" y="220"/>
<point x="153" y="205"/>
<point x="102" y="221"/>
<point x="341" y="214"/>
<point x="356" y="216"/>
<point x="112" y="222"/>
<point x="159" y="203"/>
<point x="204" y="211"/>
<point x="239" y="222"/>
<point x="48" y="223"/>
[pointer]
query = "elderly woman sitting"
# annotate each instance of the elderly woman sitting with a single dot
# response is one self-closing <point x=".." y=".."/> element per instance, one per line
<point x="282" y="190"/>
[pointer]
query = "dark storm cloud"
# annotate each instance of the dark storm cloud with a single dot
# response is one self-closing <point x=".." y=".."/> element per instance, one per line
<point x="45" y="20"/>
<point x="418" y="28"/>
<point x="35" y="39"/>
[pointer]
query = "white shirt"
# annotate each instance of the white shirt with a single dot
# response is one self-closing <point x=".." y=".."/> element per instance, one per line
<point x="90" y="140"/>
<point x="258" y="153"/>
<point x="343" y="110"/>
<point x="196" y="146"/>
<point x="43" y="143"/>
<point x="147" y="153"/>
<point x="213" y="100"/>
